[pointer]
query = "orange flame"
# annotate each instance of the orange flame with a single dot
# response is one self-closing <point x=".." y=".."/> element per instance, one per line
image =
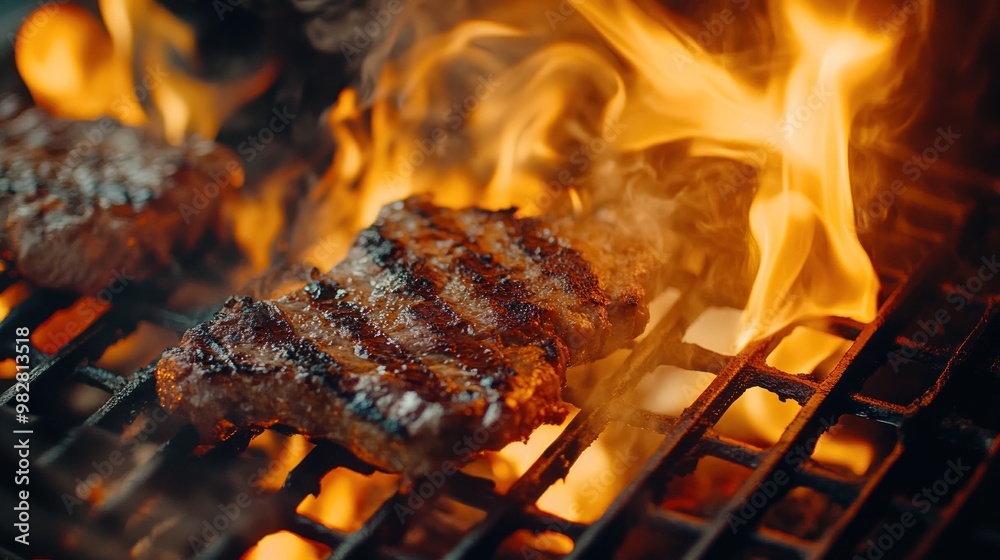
<point x="12" y="297"/>
<point x="589" y="487"/>
<point x="65" y="325"/>
<point x="758" y="416"/>
<point x="516" y="106"/>
<point x="465" y="113"/>
<point x="284" y="544"/>
<point x="555" y="106"/>
<point x="811" y="262"/>
<point x="347" y="498"/>
<point x="66" y="59"/>
<point x="77" y="68"/>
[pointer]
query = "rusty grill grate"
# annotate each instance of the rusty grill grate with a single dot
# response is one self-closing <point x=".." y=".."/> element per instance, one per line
<point x="948" y="421"/>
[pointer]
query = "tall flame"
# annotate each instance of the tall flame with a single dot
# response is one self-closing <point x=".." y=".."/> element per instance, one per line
<point x="557" y="106"/>
<point x="75" y="67"/>
<point x="534" y="106"/>
<point x="811" y="262"/>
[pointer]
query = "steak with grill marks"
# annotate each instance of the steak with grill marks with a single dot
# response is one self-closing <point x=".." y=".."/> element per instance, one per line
<point x="443" y="333"/>
<point x="83" y="203"/>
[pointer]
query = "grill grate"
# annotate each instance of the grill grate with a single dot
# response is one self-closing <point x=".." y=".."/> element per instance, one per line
<point x="140" y="509"/>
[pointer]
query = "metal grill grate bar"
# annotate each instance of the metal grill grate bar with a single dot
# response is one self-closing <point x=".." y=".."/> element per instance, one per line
<point x="691" y="436"/>
<point x="868" y="350"/>
<point x="555" y="462"/>
<point x="852" y="524"/>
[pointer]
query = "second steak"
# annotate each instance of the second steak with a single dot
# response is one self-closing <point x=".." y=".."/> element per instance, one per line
<point x="83" y="203"/>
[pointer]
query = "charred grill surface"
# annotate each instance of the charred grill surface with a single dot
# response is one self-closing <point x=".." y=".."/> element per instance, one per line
<point x="86" y="202"/>
<point x="440" y="325"/>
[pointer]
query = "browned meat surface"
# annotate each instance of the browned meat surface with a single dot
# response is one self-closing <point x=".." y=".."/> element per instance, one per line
<point x="83" y="203"/>
<point x="443" y="332"/>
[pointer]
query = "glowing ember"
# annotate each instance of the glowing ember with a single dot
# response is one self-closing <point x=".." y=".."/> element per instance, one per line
<point x="65" y="325"/>
<point x="286" y="545"/>
<point x="286" y="453"/>
<point x="592" y="483"/>
<point x="12" y="297"/>
<point x="347" y="498"/>
<point x="512" y="461"/>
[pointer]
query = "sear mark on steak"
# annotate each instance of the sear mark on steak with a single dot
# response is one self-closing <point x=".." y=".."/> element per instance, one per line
<point x="439" y="325"/>
<point x="85" y="202"/>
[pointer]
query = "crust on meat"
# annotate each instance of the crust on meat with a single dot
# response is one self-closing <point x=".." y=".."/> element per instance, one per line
<point x="443" y="333"/>
<point x="80" y="212"/>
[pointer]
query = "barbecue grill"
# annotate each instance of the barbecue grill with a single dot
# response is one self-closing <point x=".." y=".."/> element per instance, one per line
<point x="162" y="492"/>
<point x="114" y="475"/>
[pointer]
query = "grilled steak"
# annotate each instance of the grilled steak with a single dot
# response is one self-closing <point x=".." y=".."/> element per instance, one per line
<point x="443" y="332"/>
<point x="85" y="202"/>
